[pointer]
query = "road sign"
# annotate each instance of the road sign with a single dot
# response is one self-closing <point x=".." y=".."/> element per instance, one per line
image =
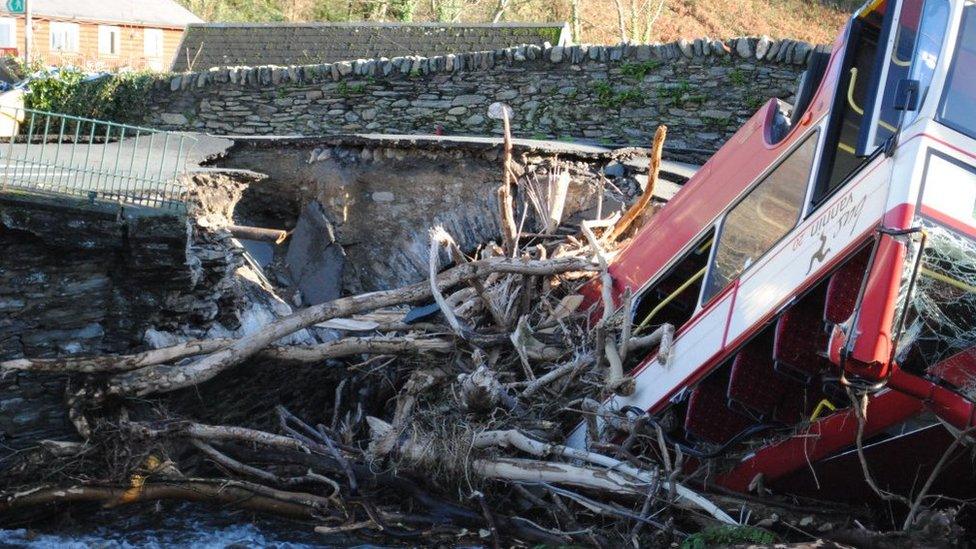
<point x="16" y="6"/>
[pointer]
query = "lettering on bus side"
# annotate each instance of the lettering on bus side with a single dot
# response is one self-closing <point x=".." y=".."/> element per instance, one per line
<point x="842" y="215"/>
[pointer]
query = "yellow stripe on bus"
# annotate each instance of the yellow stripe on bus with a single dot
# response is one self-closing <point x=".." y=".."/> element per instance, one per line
<point x="869" y="7"/>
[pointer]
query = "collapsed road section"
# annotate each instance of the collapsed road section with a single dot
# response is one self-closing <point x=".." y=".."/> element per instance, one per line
<point x="784" y="344"/>
<point x="359" y="207"/>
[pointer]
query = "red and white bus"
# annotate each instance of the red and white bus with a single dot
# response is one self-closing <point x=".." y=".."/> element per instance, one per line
<point x="828" y="249"/>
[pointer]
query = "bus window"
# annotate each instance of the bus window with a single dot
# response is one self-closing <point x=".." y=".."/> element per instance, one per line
<point x="864" y="116"/>
<point x="673" y="298"/>
<point x="896" y="65"/>
<point x="959" y="104"/>
<point x="762" y="218"/>
<point x="847" y="115"/>
<point x="934" y="24"/>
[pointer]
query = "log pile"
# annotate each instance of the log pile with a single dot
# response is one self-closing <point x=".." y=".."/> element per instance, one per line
<point x="448" y="422"/>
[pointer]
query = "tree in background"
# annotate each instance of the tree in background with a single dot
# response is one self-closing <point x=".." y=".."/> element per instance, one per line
<point x="446" y="11"/>
<point x="237" y="10"/>
<point x="574" y="20"/>
<point x="594" y="21"/>
<point x="636" y="18"/>
<point x="402" y="10"/>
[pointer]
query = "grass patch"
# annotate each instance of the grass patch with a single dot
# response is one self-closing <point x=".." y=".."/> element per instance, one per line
<point x="343" y="89"/>
<point x="681" y="95"/>
<point x="738" y="77"/>
<point x="727" y="535"/>
<point x="637" y="71"/>
<point x="610" y="98"/>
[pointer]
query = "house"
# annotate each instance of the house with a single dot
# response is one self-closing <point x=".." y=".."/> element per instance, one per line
<point x="218" y="45"/>
<point x="99" y="34"/>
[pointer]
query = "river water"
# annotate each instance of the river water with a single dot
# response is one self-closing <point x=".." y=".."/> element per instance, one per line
<point x="171" y="525"/>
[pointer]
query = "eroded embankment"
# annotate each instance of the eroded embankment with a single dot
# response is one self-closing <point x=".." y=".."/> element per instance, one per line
<point x="80" y="279"/>
<point x="361" y="207"/>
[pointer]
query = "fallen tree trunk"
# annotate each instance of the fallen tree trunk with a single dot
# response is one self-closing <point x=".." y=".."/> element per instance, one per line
<point x="290" y="353"/>
<point x="161" y="379"/>
<point x="242" y="494"/>
<point x="617" y="478"/>
<point x="117" y="363"/>
<point x="637" y="209"/>
<point x="261" y="234"/>
<point x="359" y="346"/>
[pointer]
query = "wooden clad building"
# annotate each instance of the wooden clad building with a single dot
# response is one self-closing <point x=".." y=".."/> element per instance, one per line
<point x="99" y="34"/>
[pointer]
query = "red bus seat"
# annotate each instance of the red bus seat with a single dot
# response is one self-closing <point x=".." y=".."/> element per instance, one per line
<point x="755" y="385"/>
<point x="801" y="405"/>
<point x="844" y="286"/>
<point x="800" y="343"/>
<point x="708" y="417"/>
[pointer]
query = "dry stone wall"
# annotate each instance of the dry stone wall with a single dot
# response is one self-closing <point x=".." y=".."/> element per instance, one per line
<point x="704" y="89"/>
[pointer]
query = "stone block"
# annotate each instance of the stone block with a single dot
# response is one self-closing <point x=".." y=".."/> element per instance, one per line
<point x="743" y="47"/>
<point x="465" y="100"/>
<point x="801" y="52"/>
<point x="556" y="54"/>
<point x="762" y="46"/>
<point x="314" y="259"/>
<point x="173" y="119"/>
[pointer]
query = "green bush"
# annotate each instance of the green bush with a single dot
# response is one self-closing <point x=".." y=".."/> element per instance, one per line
<point x="727" y="535"/>
<point x="122" y="97"/>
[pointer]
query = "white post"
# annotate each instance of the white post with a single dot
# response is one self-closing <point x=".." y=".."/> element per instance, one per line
<point x="28" y="32"/>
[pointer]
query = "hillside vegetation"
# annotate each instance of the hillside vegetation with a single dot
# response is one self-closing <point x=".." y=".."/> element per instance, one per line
<point x="595" y="21"/>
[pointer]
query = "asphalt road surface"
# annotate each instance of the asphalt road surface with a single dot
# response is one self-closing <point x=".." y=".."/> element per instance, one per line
<point x="128" y="166"/>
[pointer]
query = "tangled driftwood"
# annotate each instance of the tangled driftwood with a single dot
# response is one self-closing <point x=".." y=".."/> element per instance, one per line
<point x="465" y="437"/>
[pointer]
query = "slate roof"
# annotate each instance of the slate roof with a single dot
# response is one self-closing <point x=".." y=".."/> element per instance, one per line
<point x="311" y="43"/>
<point x="152" y="13"/>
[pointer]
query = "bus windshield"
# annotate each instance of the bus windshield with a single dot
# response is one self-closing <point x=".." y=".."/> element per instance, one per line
<point x="958" y="109"/>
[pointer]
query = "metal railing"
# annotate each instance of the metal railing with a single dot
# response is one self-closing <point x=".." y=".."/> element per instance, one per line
<point x="93" y="159"/>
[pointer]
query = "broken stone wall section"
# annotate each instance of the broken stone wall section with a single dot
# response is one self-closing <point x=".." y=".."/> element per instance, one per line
<point x="361" y="207"/>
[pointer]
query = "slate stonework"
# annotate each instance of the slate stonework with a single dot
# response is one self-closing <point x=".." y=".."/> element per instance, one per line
<point x="703" y="89"/>
<point x="207" y="45"/>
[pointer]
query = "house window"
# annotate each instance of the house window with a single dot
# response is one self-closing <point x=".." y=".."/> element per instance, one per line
<point x="153" y="45"/>
<point x="8" y="32"/>
<point x="109" y="40"/>
<point x="762" y="218"/>
<point x="64" y="36"/>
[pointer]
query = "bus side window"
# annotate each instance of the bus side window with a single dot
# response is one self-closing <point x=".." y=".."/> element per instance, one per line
<point x="847" y="115"/>
<point x="673" y="298"/>
<point x="762" y="218"/>
<point x="864" y="116"/>
<point x="896" y="66"/>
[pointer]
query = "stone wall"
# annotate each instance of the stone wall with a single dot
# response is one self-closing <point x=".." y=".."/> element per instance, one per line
<point x="703" y="89"/>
